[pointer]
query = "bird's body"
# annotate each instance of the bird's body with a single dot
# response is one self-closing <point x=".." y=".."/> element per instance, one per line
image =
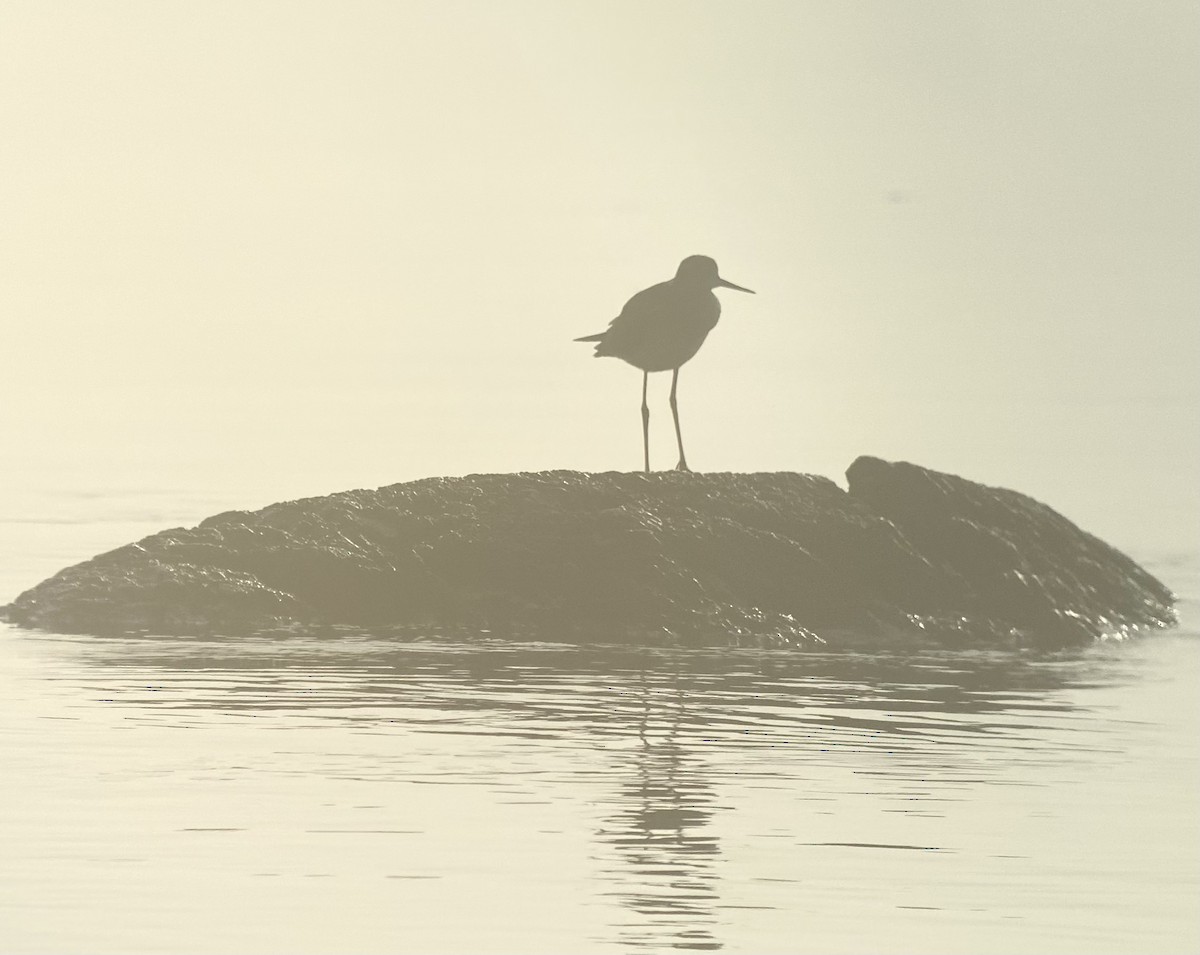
<point x="662" y="327"/>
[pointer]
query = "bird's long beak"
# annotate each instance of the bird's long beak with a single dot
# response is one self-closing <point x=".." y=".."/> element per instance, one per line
<point x="721" y="283"/>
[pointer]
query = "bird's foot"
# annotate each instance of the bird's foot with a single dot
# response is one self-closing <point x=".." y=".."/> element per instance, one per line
<point x="682" y="466"/>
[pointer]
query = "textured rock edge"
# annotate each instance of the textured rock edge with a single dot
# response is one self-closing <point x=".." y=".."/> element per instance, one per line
<point x="977" y="565"/>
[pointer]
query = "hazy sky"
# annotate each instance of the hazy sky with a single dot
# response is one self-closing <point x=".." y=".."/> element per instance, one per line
<point x="292" y="247"/>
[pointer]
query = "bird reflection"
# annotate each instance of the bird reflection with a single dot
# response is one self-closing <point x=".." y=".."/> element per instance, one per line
<point x="666" y="871"/>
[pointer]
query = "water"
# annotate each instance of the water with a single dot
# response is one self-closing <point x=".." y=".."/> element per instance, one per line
<point x="305" y="795"/>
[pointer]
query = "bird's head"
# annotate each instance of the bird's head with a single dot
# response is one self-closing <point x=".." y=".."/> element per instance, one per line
<point x="701" y="271"/>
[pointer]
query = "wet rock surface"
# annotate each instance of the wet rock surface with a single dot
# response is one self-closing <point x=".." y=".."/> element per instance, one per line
<point x="906" y="555"/>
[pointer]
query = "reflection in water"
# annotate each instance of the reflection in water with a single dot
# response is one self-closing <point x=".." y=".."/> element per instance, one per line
<point x="721" y="788"/>
<point x="666" y="872"/>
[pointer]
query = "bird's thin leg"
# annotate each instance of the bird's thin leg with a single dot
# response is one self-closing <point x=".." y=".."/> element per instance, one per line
<point x="682" y="465"/>
<point x="646" y="420"/>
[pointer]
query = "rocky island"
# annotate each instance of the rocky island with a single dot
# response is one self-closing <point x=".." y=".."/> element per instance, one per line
<point x="906" y="555"/>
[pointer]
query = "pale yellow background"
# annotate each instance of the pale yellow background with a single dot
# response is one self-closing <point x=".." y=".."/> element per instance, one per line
<point x="286" y="248"/>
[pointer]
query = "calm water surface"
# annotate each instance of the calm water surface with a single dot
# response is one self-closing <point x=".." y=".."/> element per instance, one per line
<point x="360" y="794"/>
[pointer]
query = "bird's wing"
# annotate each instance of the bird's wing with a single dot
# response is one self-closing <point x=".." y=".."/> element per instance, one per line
<point x="639" y="318"/>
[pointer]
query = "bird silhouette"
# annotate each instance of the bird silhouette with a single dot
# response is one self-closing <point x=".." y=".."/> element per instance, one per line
<point x="663" y="326"/>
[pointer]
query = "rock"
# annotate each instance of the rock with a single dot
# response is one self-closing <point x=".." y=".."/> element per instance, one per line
<point x="1011" y="559"/>
<point x="907" y="554"/>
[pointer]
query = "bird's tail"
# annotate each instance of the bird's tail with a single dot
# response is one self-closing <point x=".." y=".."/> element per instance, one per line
<point x="598" y="337"/>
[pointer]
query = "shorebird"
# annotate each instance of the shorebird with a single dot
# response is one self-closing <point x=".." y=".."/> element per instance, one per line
<point x="663" y="326"/>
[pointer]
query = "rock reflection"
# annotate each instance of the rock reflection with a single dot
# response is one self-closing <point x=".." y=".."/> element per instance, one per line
<point x="670" y="737"/>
